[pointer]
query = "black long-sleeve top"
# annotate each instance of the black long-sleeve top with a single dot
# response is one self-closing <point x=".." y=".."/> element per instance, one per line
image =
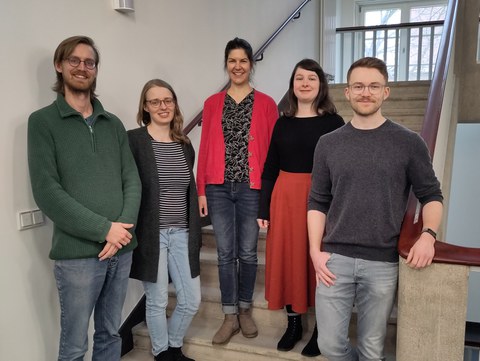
<point x="291" y="150"/>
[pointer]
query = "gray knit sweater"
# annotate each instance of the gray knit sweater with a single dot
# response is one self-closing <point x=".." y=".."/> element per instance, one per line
<point x="361" y="180"/>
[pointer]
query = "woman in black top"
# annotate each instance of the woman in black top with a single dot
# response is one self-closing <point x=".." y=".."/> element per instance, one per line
<point x="290" y="276"/>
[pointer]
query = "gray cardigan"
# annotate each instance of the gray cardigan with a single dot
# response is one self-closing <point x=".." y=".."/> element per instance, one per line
<point x="146" y="255"/>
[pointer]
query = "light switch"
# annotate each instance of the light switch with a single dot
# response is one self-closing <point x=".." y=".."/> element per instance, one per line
<point x="37" y="217"/>
<point x="26" y="219"/>
<point x="30" y="219"/>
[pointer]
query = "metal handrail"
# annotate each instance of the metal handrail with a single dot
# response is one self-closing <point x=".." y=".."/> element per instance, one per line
<point x="257" y="56"/>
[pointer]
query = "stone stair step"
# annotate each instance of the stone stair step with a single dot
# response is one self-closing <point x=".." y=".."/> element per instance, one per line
<point x="198" y="343"/>
<point x="210" y="307"/>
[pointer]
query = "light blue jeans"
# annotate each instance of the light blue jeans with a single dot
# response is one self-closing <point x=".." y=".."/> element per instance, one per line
<point x="174" y="261"/>
<point x="233" y="209"/>
<point x="372" y="287"/>
<point x="88" y="285"/>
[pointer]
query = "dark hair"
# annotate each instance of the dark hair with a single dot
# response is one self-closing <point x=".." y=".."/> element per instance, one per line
<point x="176" y="125"/>
<point x="369" y="62"/>
<point x="238" y="43"/>
<point x="322" y="101"/>
<point x="64" y="50"/>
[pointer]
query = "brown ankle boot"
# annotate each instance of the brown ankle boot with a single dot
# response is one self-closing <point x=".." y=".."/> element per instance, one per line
<point x="227" y="330"/>
<point x="247" y="324"/>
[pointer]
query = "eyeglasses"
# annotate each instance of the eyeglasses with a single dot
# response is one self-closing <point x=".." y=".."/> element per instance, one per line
<point x="373" y="88"/>
<point x="74" y="61"/>
<point x="155" y="103"/>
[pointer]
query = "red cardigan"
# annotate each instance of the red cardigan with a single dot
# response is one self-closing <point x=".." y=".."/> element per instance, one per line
<point x="211" y="156"/>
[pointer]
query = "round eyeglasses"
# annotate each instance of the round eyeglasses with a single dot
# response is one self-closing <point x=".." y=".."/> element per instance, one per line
<point x="155" y="103"/>
<point x="373" y="88"/>
<point x="74" y="61"/>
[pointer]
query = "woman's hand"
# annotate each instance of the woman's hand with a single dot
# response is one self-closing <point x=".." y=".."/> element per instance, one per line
<point x="202" y="206"/>
<point x="263" y="223"/>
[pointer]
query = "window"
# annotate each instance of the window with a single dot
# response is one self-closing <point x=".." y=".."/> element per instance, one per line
<point x="409" y="53"/>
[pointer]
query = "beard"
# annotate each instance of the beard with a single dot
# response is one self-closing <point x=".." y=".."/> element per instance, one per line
<point x="77" y="87"/>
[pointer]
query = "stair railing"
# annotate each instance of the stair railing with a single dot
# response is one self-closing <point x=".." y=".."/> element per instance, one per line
<point x="432" y="302"/>
<point x="257" y="56"/>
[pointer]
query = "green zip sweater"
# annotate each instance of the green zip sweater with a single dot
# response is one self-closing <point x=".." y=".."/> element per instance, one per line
<point x="83" y="178"/>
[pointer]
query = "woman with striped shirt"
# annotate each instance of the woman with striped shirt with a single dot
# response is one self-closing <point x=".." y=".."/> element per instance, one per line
<point x="168" y="228"/>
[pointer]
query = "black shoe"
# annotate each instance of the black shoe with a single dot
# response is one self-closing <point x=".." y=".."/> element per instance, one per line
<point x="177" y="354"/>
<point x="292" y="335"/>
<point x="164" y="356"/>
<point x="311" y="348"/>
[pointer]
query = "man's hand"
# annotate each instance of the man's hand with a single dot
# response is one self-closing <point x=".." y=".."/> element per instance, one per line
<point x="422" y="252"/>
<point x="108" y="251"/>
<point x="323" y="274"/>
<point x="117" y="237"/>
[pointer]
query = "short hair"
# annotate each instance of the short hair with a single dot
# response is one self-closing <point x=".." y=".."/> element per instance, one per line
<point x="176" y="125"/>
<point x="64" y="50"/>
<point x="238" y="43"/>
<point x="369" y="62"/>
<point x="322" y="101"/>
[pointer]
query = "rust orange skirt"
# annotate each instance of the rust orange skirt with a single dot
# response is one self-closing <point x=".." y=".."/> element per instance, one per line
<point x="289" y="273"/>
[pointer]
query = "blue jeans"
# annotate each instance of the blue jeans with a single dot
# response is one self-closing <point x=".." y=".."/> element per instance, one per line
<point x="174" y="261"/>
<point x="372" y="287"/>
<point x="88" y="285"/>
<point x="233" y="209"/>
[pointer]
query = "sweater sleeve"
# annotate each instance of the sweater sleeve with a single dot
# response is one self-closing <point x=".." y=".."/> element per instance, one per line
<point x="67" y="213"/>
<point x="320" y="192"/>
<point x="203" y="150"/>
<point x="132" y="187"/>
<point x="425" y="184"/>
<point x="270" y="173"/>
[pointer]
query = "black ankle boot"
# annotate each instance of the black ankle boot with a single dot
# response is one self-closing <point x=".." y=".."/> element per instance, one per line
<point x="292" y="335"/>
<point x="164" y="356"/>
<point x="177" y="354"/>
<point x="311" y="348"/>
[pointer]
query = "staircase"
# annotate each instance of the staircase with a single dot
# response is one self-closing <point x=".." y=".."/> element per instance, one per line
<point x="406" y="106"/>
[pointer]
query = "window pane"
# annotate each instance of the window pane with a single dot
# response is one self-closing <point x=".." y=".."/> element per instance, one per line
<point x="427" y="13"/>
<point x="382" y="17"/>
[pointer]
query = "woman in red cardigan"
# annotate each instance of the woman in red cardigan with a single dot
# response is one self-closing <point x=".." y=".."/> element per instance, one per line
<point x="236" y="130"/>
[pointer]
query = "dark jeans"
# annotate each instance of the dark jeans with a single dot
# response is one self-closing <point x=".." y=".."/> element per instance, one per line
<point x="233" y="209"/>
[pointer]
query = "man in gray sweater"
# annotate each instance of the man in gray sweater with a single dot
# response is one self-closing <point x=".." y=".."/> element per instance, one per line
<point x="361" y="178"/>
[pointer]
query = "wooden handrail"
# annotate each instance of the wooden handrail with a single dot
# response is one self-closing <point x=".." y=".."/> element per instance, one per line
<point x="412" y="222"/>
<point x="257" y="56"/>
<point x="350" y="29"/>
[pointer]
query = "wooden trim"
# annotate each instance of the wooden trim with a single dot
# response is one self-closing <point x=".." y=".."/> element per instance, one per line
<point x="390" y="26"/>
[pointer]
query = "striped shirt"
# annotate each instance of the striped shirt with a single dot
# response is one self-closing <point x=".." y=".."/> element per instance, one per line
<point x="174" y="179"/>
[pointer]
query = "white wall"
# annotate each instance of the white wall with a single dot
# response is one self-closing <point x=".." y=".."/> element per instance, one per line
<point x="463" y="226"/>
<point x="179" y="41"/>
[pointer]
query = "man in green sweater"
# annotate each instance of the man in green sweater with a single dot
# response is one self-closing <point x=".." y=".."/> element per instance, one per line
<point x="85" y="180"/>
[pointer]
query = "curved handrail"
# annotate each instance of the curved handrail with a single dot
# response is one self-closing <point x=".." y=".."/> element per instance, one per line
<point x="412" y="225"/>
<point x="257" y="56"/>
